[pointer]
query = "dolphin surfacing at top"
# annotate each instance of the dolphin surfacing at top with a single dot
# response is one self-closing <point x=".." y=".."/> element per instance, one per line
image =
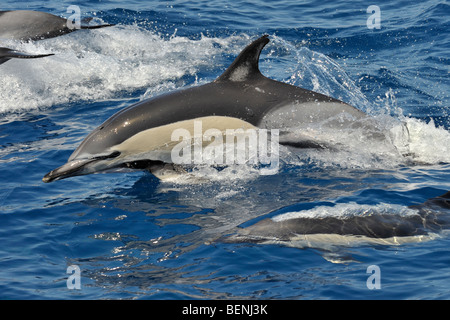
<point x="241" y="97"/>
<point x="7" y="54"/>
<point x="28" y="25"/>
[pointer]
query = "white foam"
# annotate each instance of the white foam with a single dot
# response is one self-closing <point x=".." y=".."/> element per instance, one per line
<point x="229" y="175"/>
<point x="100" y="64"/>
<point x="317" y="72"/>
<point x="347" y="210"/>
<point x="427" y="143"/>
<point x="390" y="143"/>
<point x="393" y="140"/>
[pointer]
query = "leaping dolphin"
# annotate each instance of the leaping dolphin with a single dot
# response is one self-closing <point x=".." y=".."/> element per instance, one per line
<point x="240" y="98"/>
<point x="7" y="54"/>
<point x="27" y="25"/>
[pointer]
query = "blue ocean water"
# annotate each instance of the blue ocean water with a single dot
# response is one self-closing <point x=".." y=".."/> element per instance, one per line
<point x="135" y="237"/>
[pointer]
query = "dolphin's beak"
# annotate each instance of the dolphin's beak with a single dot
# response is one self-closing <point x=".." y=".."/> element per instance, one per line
<point x="71" y="168"/>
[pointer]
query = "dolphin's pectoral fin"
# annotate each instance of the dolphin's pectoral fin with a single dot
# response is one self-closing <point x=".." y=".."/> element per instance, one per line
<point x="160" y="169"/>
<point x="246" y="65"/>
<point x="301" y="141"/>
<point x="164" y="171"/>
<point x="305" y="144"/>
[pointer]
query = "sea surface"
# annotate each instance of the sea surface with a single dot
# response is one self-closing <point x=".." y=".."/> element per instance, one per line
<point x="132" y="236"/>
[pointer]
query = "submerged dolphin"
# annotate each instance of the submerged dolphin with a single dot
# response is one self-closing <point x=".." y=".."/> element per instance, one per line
<point x="377" y="225"/>
<point x="34" y="25"/>
<point x="241" y="97"/>
<point x="7" y="54"/>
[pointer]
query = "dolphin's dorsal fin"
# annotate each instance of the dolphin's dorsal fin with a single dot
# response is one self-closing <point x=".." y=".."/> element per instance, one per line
<point x="245" y="66"/>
